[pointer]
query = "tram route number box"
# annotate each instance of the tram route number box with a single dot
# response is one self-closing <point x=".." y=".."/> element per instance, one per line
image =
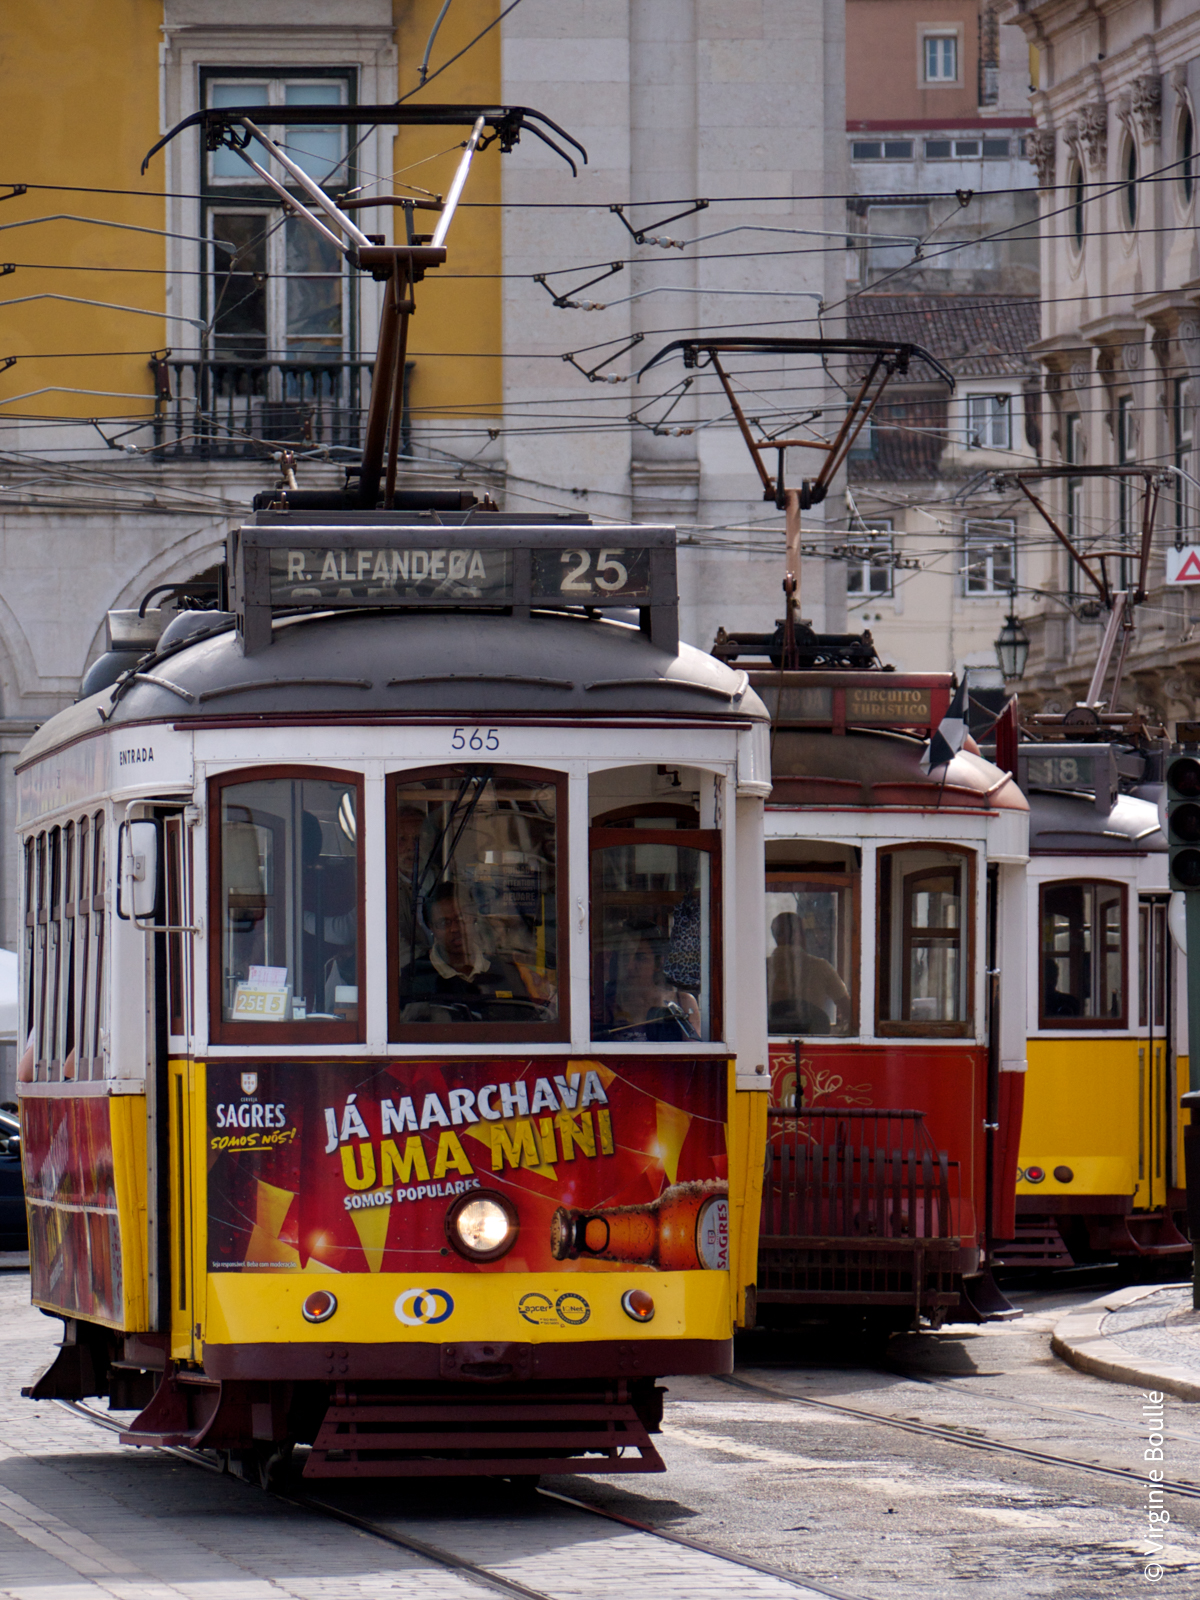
<point x="497" y="565"/>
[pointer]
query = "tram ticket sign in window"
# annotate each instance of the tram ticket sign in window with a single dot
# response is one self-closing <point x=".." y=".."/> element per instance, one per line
<point x="379" y="564"/>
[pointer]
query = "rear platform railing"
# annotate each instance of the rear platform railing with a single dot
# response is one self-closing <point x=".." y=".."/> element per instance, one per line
<point x="859" y="1208"/>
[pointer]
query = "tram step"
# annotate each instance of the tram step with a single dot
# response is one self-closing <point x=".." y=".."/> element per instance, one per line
<point x="527" y="1435"/>
<point x="1037" y="1244"/>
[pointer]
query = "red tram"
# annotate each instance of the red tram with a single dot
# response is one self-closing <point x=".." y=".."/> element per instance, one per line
<point x="895" y="901"/>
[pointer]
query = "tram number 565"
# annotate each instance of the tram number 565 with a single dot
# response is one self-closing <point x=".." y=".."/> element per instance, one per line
<point x="475" y="739"/>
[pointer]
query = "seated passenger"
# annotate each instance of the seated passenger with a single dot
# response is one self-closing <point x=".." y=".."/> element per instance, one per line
<point x="456" y="973"/>
<point x="641" y="1002"/>
<point x="802" y="989"/>
<point x="1056" y="1002"/>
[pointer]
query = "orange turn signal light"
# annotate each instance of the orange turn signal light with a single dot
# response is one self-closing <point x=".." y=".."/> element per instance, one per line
<point x="319" y="1306"/>
<point x="636" y="1303"/>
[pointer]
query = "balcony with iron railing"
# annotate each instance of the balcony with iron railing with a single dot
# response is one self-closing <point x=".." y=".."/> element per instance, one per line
<point x="222" y="407"/>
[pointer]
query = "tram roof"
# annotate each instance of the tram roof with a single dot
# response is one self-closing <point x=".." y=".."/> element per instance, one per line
<point x="1061" y="823"/>
<point x="873" y="769"/>
<point x="371" y="665"/>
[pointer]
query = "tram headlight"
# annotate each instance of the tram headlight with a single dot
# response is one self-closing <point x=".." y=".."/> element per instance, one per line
<point x="482" y="1227"/>
<point x="319" y="1307"/>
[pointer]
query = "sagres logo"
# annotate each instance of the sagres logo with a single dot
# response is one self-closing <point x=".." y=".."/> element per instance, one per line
<point x="249" y="1082"/>
<point x="419" y="1308"/>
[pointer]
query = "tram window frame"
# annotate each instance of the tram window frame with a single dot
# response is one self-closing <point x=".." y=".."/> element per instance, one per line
<point x="556" y="1030"/>
<point x="612" y="828"/>
<point x="177" y="879"/>
<point x="886" y="1027"/>
<point x="306" y="1032"/>
<point x="1104" y="1023"/>
<point x="822" y="877"/>
<point x="1152" y="921"/>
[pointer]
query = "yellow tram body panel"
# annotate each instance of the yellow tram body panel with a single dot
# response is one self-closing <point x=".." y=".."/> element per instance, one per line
<point x="502" y="1306"/>
<point x="1097" y="1107"/>
<point x="580" y="1302"/>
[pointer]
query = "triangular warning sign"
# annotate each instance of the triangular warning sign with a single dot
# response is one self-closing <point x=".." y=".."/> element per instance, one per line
<point x="1189" y="571"/>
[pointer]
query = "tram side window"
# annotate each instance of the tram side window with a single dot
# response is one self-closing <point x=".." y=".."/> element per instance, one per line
<point x="926" y="913"/>
<point x="474" y="911"/>
<point x="64" y="920"/>
<point x="1082" y="955"/>
<point x="288" y="880"/>
<point x="653" y="961"/>
<point x="810" y="960"/>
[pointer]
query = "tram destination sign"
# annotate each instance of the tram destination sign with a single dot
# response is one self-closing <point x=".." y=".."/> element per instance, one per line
<point x="494" y="566"/>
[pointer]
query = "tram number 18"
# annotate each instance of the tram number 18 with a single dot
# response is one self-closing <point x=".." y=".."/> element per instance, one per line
<point x="475" y="739"/>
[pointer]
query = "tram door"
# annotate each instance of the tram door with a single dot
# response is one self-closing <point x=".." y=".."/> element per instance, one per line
<point x="1155" y="1056"/>
<point x="176" y="1177"/>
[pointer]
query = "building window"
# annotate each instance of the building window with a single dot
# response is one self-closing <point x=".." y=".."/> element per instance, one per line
<point x="870" y="565"/>
<point x="1185" y="153"/>
<point x="991" y="558"/>
<point x="1183" y="426"/>
<point x="995" y="149"/>
<point x="989" y="422"/>
<point x="1083" y="955"/>
<point x="1075" y="189"/>
<point x="277" y="290"/>
<point x="941" y="58"/>
<point x="1073" y="456"/>
<point x="881" y="150"/>
<point x="1127" y="496"/>
<point x="1131" y="184"/>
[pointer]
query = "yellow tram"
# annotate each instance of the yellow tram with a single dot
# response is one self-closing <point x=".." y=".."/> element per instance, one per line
<point x="395" y="1077"/>
<point x="1100" y="1172"/>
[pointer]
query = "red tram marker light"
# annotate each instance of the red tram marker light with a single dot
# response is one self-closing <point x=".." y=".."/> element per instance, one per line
<point x="1035" y="1174"/>
<point x="482" y="1227"/>
<point x="636" y="1303"/>
<point x="319" y="1306"/>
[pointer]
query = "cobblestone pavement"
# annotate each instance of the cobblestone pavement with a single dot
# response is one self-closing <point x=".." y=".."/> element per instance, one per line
<point x="1160" y="1327"/>
<point x="83" y="1516"/>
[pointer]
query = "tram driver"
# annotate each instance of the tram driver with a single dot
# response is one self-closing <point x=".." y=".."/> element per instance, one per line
<point x="457" y="973"/>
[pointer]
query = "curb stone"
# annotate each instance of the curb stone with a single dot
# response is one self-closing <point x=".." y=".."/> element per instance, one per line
<point x="1078" y="1341"/>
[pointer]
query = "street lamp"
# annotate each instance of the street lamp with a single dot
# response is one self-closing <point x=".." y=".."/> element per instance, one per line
<point x="1012" y="649"/>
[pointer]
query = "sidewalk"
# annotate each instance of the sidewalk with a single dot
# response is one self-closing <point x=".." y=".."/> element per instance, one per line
<point x="1146" y="1336"/>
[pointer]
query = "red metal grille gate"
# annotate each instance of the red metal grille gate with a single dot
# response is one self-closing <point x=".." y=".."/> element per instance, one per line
<point x="859" y="1208"/>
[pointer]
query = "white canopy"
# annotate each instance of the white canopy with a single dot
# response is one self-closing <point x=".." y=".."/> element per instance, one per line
<point x="9" y="1004"/>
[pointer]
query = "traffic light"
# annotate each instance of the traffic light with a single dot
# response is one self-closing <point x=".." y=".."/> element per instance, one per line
<point x="1183" y="822"/>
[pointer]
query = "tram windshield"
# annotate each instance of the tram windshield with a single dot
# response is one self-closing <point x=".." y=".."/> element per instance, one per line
<point x="809" y="961"/>
<point x="651" y="936"/>
<point x="474" y="895"/>
<point x="1083" y="964"/>
<point x="289" y="901"/>
<point x="926" y="900"/>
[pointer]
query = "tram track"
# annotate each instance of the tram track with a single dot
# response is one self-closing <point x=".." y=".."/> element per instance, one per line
<point x="946" y="1434"/>
<point x="437" y="1554"/>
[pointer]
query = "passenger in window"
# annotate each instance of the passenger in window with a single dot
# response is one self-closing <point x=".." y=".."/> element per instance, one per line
<point x="1055" y="1002"/>
<point x="804" y="992"/>
<point x="642" y="1002"/>
<point x="457" y="975"/>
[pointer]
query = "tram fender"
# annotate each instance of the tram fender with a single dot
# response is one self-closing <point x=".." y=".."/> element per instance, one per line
<point x="80" y="1367"/>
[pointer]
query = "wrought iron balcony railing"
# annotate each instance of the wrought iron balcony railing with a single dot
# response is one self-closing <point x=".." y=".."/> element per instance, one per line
<point x="221" y="408"/>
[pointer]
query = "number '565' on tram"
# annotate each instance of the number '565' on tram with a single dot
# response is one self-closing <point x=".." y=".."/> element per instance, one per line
<point x="394" y="1000"/>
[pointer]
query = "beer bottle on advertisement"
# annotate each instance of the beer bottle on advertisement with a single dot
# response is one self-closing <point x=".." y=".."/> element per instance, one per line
<point x="685" y="1228"/>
